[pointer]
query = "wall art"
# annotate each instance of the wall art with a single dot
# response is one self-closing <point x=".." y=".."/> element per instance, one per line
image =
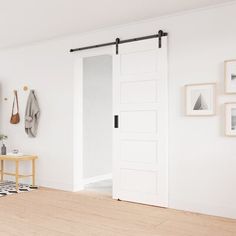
<point x="200" y="99"/>
<point x="230" y="76"/>
<point x="230" y="119"/>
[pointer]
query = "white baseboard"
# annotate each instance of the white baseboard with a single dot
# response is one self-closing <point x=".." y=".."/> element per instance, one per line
<point x="55" y="185"/>
<point x="207" y="209"/>
<point x="97" y="178"/>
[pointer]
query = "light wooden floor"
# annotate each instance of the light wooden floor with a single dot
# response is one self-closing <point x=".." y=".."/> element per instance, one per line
<point x="49" y="212"/>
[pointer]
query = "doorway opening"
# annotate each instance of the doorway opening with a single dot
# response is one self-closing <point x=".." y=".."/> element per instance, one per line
<point x="97" y="124"/>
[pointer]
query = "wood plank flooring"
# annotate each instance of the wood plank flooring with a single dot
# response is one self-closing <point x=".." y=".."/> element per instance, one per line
<point x="50" y="212"/>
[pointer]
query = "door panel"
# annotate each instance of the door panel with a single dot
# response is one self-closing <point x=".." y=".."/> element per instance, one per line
<point x="135" y="63"/>
<point x="135" y="181"/>
<point x="136" y="92"/>
<point x="138" y="121"/>
<point x="140" y="97"/>
<point x="139" y="151"/>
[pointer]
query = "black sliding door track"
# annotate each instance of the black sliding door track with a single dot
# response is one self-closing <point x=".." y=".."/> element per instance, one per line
<point x="118" y="41"/>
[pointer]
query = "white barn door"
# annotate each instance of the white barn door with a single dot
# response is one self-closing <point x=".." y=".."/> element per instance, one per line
<point x="140" y="108"/>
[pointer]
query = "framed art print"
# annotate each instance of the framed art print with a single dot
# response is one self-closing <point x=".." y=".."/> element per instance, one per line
<point x="230" y="76"/>
<point x="230" y="119"/>
<point x="200" y="99"/>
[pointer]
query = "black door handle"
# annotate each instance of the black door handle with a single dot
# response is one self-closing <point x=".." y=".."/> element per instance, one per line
<point x="116" y="121"/>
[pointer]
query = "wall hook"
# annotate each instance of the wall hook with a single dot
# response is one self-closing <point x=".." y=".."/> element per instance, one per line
<point x="25" y="88"/>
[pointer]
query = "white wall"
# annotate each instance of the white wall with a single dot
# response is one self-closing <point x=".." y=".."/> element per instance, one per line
<point x="50" y="72"/>
<point x="97" y="116"/>
<point x="202" y="160"/>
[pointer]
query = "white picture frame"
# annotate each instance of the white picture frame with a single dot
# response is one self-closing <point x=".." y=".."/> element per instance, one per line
<point x="230" y="119"/>
<point x="230" y="76"/>
<point x="200" y="99"/>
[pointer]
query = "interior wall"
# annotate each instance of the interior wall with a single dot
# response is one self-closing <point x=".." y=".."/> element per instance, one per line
<point x="97" y="116"/>
<point x="202" y="161"/>
<point x="48" y="69"/>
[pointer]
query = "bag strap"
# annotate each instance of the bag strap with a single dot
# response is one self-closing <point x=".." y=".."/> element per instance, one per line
<point x="17" y="103"/>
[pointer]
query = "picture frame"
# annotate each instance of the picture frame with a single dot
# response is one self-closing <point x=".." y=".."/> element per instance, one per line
<point x="230" y="119"/>
<point x="200" y="99"/>
<point x="230" y="76"/>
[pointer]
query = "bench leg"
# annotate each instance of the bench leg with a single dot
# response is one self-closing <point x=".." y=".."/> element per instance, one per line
<point x="17" y="175"/>
<point x="2" y="169"/>
<point x="33" y="172"/>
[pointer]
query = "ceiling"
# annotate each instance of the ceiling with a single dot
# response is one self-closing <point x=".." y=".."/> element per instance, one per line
<point x="28" y="21"/>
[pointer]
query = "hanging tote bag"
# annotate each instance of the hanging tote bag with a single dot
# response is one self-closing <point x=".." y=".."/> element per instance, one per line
<point x="15" y="118"/>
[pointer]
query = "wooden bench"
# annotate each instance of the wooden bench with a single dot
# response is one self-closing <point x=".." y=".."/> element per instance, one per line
<point x="17" y="159"/>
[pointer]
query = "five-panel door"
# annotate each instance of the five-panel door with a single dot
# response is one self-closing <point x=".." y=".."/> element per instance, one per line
<point x="140" y="137"/>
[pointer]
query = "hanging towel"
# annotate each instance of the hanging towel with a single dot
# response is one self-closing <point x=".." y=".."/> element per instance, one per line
<point x="32" y="114"/>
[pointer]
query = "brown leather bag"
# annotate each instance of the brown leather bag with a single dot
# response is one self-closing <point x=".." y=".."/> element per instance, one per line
<point x="15" y="118"/>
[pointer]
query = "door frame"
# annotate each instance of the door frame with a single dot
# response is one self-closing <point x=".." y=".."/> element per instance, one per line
<point x="77" y="164"/>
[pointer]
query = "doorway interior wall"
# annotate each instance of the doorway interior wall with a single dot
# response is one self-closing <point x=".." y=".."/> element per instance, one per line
<point x="97" y="118"/>
<point x="89" y="120"/>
